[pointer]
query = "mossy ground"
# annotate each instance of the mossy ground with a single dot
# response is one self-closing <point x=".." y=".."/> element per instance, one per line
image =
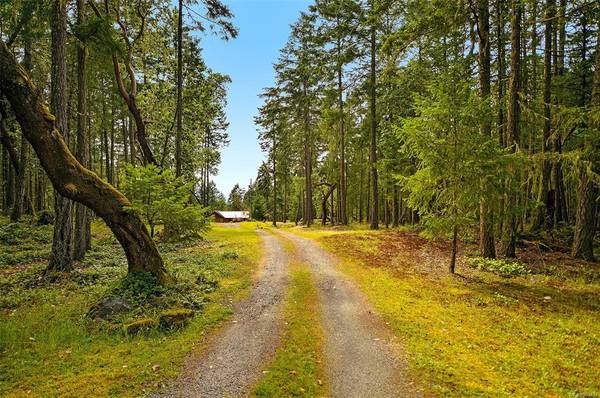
<point x="479" y="334"/>
<point x="49" y="348"/>
<point x="298" y="367"/>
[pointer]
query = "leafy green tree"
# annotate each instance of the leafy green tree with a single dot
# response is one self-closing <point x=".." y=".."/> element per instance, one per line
<point x="163" y="199"/>
<point x="452" y="155"/>
<point x="236" y="198"/>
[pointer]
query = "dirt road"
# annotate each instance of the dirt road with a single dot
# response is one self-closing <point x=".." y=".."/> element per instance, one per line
<point x="235" y="359"/>
<point x="362" y="358"/>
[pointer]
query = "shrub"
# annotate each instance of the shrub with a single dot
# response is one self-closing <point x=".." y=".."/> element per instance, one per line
<point x="163" y="199"/>
<point x="500" y="267"/>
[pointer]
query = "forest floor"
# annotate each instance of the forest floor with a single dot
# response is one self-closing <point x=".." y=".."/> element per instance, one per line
<point x="478" y="333"/>
<point x="50" y="348"/>
<point x="342" y="312"/>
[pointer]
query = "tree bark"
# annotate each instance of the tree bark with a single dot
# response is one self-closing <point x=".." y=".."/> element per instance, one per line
<point x="373" y="131"/>
<point x="61" y="257"/>
<point x="83" y="240"/>
<point x="342" y="216"/>
<point x="274" y="184"/>
<point x="69" y="177"/>
<point x="542" y="217"/>
<point x="487" y="245"/>
<point x="179" y="107"/>
<point x="587" y="191"/>
<point x="513" y="119"/>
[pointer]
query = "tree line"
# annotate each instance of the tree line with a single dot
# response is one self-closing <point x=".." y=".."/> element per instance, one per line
<point x="474" y="118"/>
<point x="127" y="88"/>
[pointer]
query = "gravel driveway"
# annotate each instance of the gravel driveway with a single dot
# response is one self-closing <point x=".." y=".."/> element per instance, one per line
<point x="362" y="359"/>
<point x="235" y="359"/>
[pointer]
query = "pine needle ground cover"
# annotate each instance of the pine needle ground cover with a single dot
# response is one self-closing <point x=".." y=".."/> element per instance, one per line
<point x="480" y="333"/>
<point x="48" y="347"/>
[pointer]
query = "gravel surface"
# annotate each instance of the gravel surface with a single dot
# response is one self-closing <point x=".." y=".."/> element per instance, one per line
<point x="235" y="359"/>
<point x="361" y="356"/>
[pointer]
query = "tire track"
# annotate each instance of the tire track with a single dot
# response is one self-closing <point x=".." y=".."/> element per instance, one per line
<point x="362" y="359"/>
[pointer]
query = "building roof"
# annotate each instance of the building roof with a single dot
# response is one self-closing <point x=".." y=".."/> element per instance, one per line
<point x="233" y="214"/>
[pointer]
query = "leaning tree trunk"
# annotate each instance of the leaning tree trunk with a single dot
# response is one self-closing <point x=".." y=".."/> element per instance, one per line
<point x="69" y="177"/>
<point x="61" y="257"/>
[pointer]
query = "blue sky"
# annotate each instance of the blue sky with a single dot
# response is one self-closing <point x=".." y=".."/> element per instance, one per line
<point x="263" y="29"/>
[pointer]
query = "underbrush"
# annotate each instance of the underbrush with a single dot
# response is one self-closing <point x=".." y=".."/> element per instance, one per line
<point x="51" y="344"/>
<point x="498" y="266"/>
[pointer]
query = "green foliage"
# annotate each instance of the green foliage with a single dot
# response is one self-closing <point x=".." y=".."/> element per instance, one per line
<point x="236" y="198"/>
<point x="497" y="266"/>
<point x="453" y="158"/>
<point x="258" y="210"/>
<point x="163" y="199"/>
<point x="139" y="288"/>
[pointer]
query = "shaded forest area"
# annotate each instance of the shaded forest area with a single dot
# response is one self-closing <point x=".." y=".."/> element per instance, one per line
<point x="133" y="109"/>
<point x="475" y="119"/>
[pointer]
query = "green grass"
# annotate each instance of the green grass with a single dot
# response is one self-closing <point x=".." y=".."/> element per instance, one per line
<point x="297" y="370"/>
<point x="49" y="349"/>
<point x="480" y="335"/>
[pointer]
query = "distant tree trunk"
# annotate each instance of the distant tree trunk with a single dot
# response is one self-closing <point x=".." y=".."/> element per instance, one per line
<point x="396" y="215"/>
<point x="132" y="146"/>
<point x="125" y="139"/>
<point x="487" y="245"/>
<point x="454" y="249"/>
<point x="361" y="186"/>
<point x="513" y="118"/>
<point x="560" y="212"/>
<point x="373" y="130"/>
<point x="308" y="203"/>
<point x="342" y="216"/>
<point x="274" y="184"/>
<point x="61" y="257"/>
<point x="69" y="177"/>
<point x="587" y="191"/>
<point x="21" y="170"/>
<point x="179" y="107"/>
<point x="82" y="213"/>
<point x="542" y="217"/>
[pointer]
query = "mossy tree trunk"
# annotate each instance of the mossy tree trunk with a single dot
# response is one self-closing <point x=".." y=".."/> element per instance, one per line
<point x="69" y="177"/>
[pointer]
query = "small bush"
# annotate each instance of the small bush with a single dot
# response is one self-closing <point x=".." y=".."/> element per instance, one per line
<point x="230" y="255"/>
<point x="500" y="267"/>
<point x="160" y="198"/>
